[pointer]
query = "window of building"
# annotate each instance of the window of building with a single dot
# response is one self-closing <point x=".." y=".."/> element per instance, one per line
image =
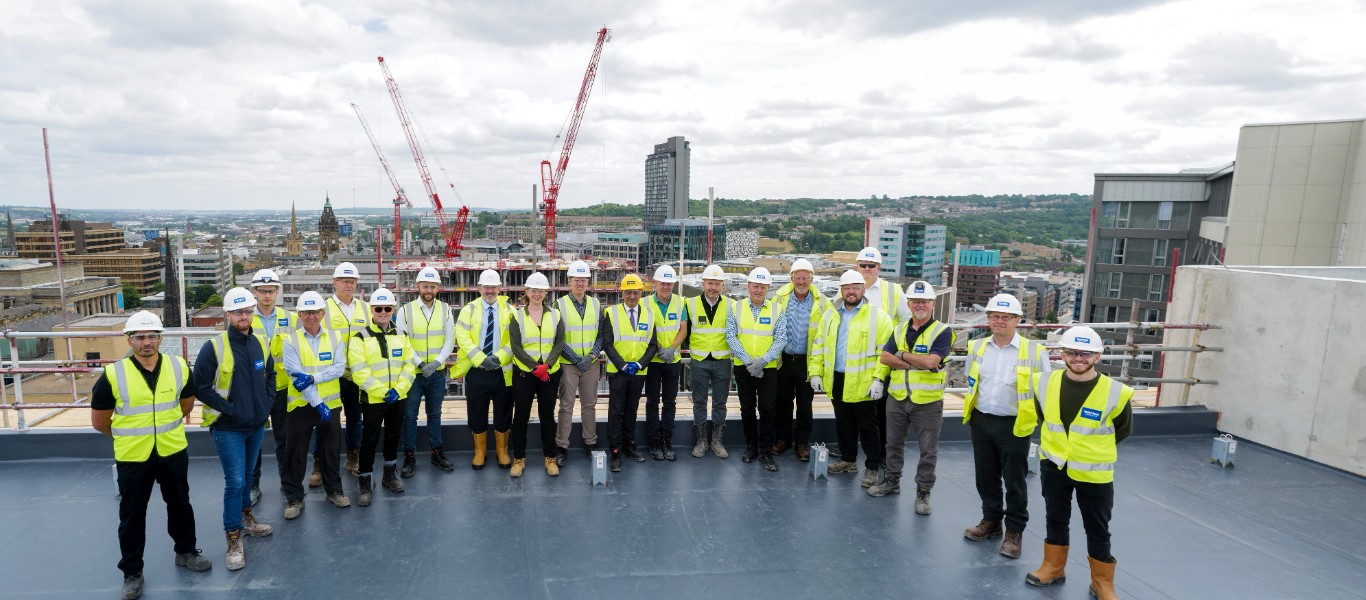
<point x="1157" y="287"/>
<point x="1160" y="250"/>
<point x="1164" y="215"/>
<point x="1117" y="251"/>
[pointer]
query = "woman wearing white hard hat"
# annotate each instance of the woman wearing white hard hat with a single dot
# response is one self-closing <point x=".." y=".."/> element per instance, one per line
<point x="535" y="337"/>
<point x="384" y="365"/>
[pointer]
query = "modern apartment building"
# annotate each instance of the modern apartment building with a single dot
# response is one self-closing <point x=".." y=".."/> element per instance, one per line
<point x="664" y="240"/>
<point x="666" y="181"/>
<point x="910" y="250"/>
<point x="979" y="275"/>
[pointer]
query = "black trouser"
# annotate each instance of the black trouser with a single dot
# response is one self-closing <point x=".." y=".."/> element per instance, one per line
<point x="855" y="421"/>
<point x="661" y="382"/>
<point x="793" y="386"/>
<point x="391" y="417"/>
<point x="300" y="424"/>
<point x="622" y="405"/>
<point x="350" y="397"/>
<point x="484" y="387"/>
<point x="997" y="455"/>
<point x="526" y="386"/>
<point x="279" y="412"/>
<point x="1095" y="501"/>
<point x="135" y="490"/>
<point x="760" y="393"/>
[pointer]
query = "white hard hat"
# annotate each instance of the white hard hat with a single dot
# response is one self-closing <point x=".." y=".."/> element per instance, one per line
<point x="265" y="277"/>
<point x="1005" y="303"/>
<point x="238" y="298"/>
<point x="850" y="278"/>
<point x="346" y="270"/>
<point x="537" y="281"/>
<point x="490" y="277"/>
<point x="713" y="272"/>
<point x="870" y="254"/>
<point x="428" y="275"/>
<point x="760" y="275"/>
<point x="579" y="268"/>
<point x="666" y="274"/>
<point x="919" y="290"/>
<point x="1082" y="338"/>
<point x="310" y="300"/>
<point x="382" y="297"/>
<point x="801" y="264"/>
<point x="143" y="321"/>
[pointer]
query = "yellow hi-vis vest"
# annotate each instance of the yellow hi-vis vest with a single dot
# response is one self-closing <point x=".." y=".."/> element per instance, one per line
<point x="861" y="364"/>
<point x="222" y="380"/>
<point x="145" y="418"/>
<point x="1087" y="448"/>
<point x="376" y="371"/>
<point x="922" y="386"/>
<point x="426" y="335"/>
<point x="537" y="340"/>
<point x="579" y="332"/>
<point x="818" y="307"/>
<point x="285" y="323"/>
<point x="707" y="340"/>
<point x="329" y="392"/>
<point x="756" y="335"/>
<point x="668" y="322"/>
<point x="889" y="297"/>
<point x="345" y="328"/>
<point x="630" y="343"/>
<point x="467" y="336"/>
<point x="1030" y="362"/>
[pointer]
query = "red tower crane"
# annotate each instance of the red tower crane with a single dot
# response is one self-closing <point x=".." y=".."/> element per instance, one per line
<point x="453" y="234"/>
<point x="400" y="198"/>
<point x="553" y="175"/>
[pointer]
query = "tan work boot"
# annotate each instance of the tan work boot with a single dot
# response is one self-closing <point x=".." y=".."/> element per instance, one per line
<point x="294" y="509"/>
<point x="551" y="468"/>
<point x="237" y="558"/>
<point x="1051" y="571"/>
<point x="339" y="499"/>
<point x="315" y="478"/>
<point x="518" y="466"/>
<point x="500" y="441"/>
<point x="252" y="527"/>
<point x="983" y="530"/>
<point x="481" y="447"/>
<point x="353" y="462"/>
<point x="1010" y="546"/>
<point x="1103" y="579"/>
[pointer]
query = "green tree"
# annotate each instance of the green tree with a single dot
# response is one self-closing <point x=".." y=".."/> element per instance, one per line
<point x="238" y="268"/>
<point x="159" y="287"/>
<point x="131" y="299"/>
<point x="212" y="300"/>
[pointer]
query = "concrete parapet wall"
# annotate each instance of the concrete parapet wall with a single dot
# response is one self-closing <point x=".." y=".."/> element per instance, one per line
<point x="1292" y="375"/>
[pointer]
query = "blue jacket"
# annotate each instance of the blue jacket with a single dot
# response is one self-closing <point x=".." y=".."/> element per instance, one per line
<point x="253" y="388"/>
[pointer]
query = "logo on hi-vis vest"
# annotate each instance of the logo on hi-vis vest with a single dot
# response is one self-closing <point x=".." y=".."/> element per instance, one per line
<point x="971" y="381"/>
<point x="283" y="321"/>
<point x="643" y="326"/>
<point x="260" y="365"/>
<point x="396" y="352"/>
<point x="673" y="316"/>
<point x="765" y="320"/>
<point x="325" y="356"/>
<point x="921" y="348"/>
<point x="1090" y="413"/>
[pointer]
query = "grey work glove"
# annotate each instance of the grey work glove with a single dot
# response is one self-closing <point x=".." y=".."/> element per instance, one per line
<point x="491" y="363"/>
<point x="584" y="363"/>
<point x="428" y="368"/>
<point x="667" y="354"/>
<point x="755" y="368"/>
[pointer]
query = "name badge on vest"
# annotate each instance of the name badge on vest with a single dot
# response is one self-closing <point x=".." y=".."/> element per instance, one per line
<point x="673" y="316"/>
<point x="643" y="326"/>
<point x="359" y="320"/>
<point x="260" y="365"/>
<point x="396" y="352"/>
<point x="765" y="320"/>
<point x="284" y="321"/>
<point x="921" y="349"/>
<point x="971" y="381"/>
<point x="1090" y="413"/>
<point x="325" y="356"/>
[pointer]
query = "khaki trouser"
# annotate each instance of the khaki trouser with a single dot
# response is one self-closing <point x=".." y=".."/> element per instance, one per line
<point x="585" y="385"/>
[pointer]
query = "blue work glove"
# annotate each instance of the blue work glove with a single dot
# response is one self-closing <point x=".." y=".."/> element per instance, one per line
<point x="324" y="413"/>
<point x="632" y="368"/>
<point x="391" y="397"/>
<point x="302" y="381"/>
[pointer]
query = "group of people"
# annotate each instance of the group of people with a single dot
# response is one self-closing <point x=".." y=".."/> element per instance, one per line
<point x="376" y="361"/>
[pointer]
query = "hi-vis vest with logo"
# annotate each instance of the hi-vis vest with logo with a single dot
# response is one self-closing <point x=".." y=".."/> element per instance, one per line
<point x="668" y="322"/>
<point x="537" y="340"/>
<point x="1087" y="448"/>
<point x="345" y="328"/>
<point x="468" y="330"/>
<point x="427" y="336"/>
<point x="923" y="386"/>
<point x="579" y="332"/>
<point x="629" y="342"/>
<point x="144" y="418"/>
<point x="285" y="323"/>
<point x="222" y="380"/>
<point x="861" y="351"/>
<point x="756" y="335"/>
<point x="818" y="307"/>
<point x="329" y="392"/>
<point x="1031" y="361"/>
<point x="376" y="371"/>
<point x="707" y="339"/>
<point x="889" y="298"/>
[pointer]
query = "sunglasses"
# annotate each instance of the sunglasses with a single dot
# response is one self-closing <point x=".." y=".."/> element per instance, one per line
<point x="1078" y="354"/>
<point x="382" y="309"/>
<point x="869" y="266"/>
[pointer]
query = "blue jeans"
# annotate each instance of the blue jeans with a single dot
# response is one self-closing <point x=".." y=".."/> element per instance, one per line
<point x="237" y="452"/>
<point x="434" y="388"/>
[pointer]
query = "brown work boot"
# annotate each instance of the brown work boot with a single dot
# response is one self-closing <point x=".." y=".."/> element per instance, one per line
<point x="803" y="453"/>
<point x="237" y="558"/>
<point x="551" y="467"/>
<point x="500" y="448"/>
<point x="1051" y="571"/>
<point x="315" y="478"/>
<point x="779" y="447"/>
<point x="353" y="462"/>
<point x="518" y="467"/>
<point x="481" y="447"/>
<point x="252" y="527"/>
<point x="1103" y="578"/>
<point x="1010" y="546"/>
<point x="983" y="530"/>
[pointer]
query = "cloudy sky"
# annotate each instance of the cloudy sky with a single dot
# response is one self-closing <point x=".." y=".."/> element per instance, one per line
<point x="246" y="103"/>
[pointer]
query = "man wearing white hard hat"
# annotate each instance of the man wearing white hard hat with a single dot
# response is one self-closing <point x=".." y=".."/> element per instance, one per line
<point x="314" y="359"/>
<point x="885" y="296"/>
<point x="661" y="381"/>
<point x="1085" y="416"/>
<point x="710" y="371"/>
<point x="141" y="402"/>
<point x="756" y="332"/>
<point x="430" y="327"/>
<point x="999" y="409"/>
<point x="347" y="314"/>
<point x="234" y="377"/>
<point x="481" y="332"/>
<point x="384" y="365"/>
<point x="580" y="367"/>
<point x="917" y="355"/>
<point x="802" y="307"/>
<point x="276" y="324"/>
<point x="841" y="365"/>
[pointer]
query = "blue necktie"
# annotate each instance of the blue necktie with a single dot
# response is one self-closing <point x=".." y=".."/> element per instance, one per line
<point x="488" y="334"/>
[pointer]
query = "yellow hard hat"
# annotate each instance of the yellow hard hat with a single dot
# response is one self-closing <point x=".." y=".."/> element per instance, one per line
<point x="632" y="282"/>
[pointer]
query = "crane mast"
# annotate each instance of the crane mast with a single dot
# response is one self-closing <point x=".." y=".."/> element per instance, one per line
<point x="400" y="198"/>
<point x="553" y="175"/>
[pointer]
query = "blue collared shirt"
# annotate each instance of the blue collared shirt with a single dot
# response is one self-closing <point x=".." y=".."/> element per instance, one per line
<point x="737" y="349"/>
<point x="798" y="318"/>
<point x="842" y="339"/>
